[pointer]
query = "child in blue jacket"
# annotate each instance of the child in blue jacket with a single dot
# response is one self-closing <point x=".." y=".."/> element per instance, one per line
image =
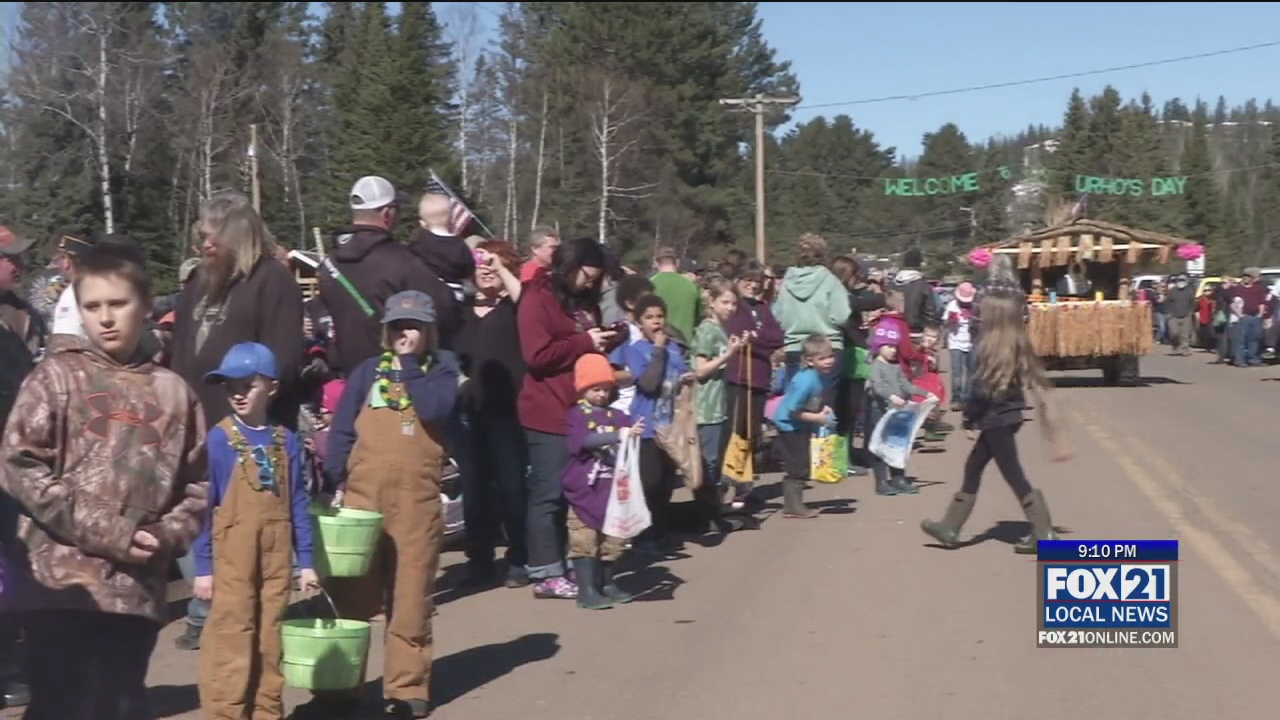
<point x="801" y="413"/>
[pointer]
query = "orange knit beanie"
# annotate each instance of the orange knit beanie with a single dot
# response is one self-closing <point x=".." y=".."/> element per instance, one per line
<point x="591" y="370"/>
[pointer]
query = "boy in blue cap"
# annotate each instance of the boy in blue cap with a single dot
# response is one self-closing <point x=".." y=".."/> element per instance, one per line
<point x="244" y="555"/>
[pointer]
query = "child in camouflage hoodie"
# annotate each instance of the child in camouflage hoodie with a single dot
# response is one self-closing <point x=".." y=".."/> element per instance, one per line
<point x="103" y="469"/>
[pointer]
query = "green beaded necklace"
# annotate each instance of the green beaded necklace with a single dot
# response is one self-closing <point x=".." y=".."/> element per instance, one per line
<point x="384" y="383"/>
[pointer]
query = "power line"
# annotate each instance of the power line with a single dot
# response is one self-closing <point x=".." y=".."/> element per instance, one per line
<point x="1048" y="78"/>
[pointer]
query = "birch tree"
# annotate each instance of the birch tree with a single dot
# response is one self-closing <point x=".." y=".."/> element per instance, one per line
<point x="464" y="29"/>
<point x="285" y="101"/>
<point x="616" y="114"/>
<point x="72" y="82"/>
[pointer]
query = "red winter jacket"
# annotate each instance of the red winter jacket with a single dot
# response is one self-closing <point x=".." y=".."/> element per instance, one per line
<point x="551" y="341"/>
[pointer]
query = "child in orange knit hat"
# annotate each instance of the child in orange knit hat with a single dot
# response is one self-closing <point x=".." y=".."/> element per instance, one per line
<point x="595" y="431"/>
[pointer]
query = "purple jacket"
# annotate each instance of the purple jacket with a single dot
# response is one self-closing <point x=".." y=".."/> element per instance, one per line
<point x="588" y="476"/>
<point x="754" y="316"/>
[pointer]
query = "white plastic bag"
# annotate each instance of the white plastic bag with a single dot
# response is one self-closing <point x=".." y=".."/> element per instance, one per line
<point x="895" y="434"/>
<point x="627" y="515"/>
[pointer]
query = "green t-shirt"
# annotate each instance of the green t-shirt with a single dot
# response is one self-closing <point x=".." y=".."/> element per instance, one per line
<point x="682" y="298"/>
<point x="710" y="342"/>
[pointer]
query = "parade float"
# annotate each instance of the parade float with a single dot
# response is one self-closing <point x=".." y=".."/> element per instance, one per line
<point x="1103" y="328"/>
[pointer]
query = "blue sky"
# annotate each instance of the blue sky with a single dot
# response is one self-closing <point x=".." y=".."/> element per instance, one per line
<point x="853" y="51"/>
<point x="906" y="48"/>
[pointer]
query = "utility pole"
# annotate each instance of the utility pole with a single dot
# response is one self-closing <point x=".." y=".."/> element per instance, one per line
<point x="757" y="106"/>
<point x="253" y="168"/>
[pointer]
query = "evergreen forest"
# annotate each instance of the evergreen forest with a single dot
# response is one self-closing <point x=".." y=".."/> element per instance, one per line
<point x="599" y="118"/>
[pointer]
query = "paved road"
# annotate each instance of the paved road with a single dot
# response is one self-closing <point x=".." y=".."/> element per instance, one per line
<point x="853" y="615"/>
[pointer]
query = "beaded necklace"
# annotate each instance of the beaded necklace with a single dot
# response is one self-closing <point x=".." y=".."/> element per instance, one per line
<point x="401" y="400"/>
<point x="269" y="462"/>
<point x="589" y="410"/>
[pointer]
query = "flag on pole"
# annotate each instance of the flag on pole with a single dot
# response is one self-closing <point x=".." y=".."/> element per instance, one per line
<point x="460" y="216"/>
<point x="1080" y="207"/>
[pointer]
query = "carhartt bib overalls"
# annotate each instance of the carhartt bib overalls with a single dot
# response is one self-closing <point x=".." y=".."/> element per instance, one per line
<point x="394" y="469"/>
<point x="252" y="579"/>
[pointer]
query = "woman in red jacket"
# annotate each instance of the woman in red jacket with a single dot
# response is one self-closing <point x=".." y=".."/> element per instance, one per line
<point x="559" y="321"/>
<point x="1204" y="317"/>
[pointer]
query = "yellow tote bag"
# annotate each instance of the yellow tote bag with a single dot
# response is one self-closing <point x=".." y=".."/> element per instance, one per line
<point x="738" y="465"/>
<point x="824" y="460"/>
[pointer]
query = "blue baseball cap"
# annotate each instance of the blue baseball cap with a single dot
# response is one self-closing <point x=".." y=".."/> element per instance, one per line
<point x="244" y="361"/>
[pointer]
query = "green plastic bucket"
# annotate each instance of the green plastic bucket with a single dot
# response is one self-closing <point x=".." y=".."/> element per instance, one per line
<point x="323" y="654"/>
<point x="346" y="540"/>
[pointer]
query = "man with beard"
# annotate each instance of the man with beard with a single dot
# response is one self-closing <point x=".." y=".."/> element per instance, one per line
<point x="365" y="267"/>
<point x="239" y="294"/>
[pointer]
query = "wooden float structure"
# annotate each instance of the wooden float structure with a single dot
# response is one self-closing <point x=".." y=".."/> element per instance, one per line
<point x="1107" y="330"/>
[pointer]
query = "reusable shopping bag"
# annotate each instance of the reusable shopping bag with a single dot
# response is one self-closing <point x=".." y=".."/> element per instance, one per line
<point x="679" y="440"/>
<point x="827" y="464"/>
<point x="737" y="464"/>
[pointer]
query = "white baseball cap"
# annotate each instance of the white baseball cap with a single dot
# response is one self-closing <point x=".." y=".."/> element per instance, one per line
<point x="372" y="193"/>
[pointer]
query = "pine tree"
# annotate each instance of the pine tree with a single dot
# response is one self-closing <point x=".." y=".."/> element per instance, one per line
<point x="1202" y="215"/>
<point x="989" y="211"/>
<point x="1267" y="209"/>
<point x="422" y="97"/>
<point x="1074" y="146"/>
<point x="364" y="112"/>
<point x="943" y="227"/>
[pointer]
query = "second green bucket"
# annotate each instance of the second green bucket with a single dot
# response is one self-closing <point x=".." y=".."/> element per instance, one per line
<point x="323" y="654"/>
<point x="346" y="539"/>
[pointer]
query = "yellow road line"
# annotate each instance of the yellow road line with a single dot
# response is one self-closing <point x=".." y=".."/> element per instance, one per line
<point x="1222" y="521"/>
<point x="1237" y="576"/>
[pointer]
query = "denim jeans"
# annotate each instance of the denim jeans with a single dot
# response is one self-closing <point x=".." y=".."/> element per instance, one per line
<point x="1246" y="340"/>
<point x="709" y="440"/>
<point x="545" y="529"/>
<point x="197" y="610"/>
<point x="493" y="489"/>
<point x="963" y="363"/>
<point x="1161" y="323"/>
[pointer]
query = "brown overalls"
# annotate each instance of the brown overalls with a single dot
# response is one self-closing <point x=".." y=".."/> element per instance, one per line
<point x="252" y="537"/>
<point x="394" y="469"/>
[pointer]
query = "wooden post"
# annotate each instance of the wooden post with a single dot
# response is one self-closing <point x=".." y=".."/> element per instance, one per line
<point x="757" y="105"/>
<point x="253" y="169"/>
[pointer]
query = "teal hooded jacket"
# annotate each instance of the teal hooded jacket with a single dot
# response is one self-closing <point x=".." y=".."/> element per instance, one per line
<point x="813" y="300"/>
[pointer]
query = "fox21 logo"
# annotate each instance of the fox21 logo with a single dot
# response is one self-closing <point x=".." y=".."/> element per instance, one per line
<point x="1126" y="583"/>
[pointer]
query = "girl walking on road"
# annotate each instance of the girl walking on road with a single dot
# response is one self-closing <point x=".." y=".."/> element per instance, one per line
<point x="1006" y="366"/>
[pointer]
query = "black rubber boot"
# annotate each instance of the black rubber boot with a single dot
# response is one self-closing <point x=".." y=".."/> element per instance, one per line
<point x="902" y="485"/>
<point x="793" y="507"/>
<point x="947" y="531"/>
<point x="407" y="709"/>
<point x="609" y="587"/>
<point x="589" y="583"/>
<point x="1037" y="512"/>
<point x="882" y="481"/>
<point x="189" y="639"/>
<point x="327" y="708"/>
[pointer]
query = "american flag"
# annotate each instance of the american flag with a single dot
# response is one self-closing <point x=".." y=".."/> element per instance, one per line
<point x="460" y="216"/>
